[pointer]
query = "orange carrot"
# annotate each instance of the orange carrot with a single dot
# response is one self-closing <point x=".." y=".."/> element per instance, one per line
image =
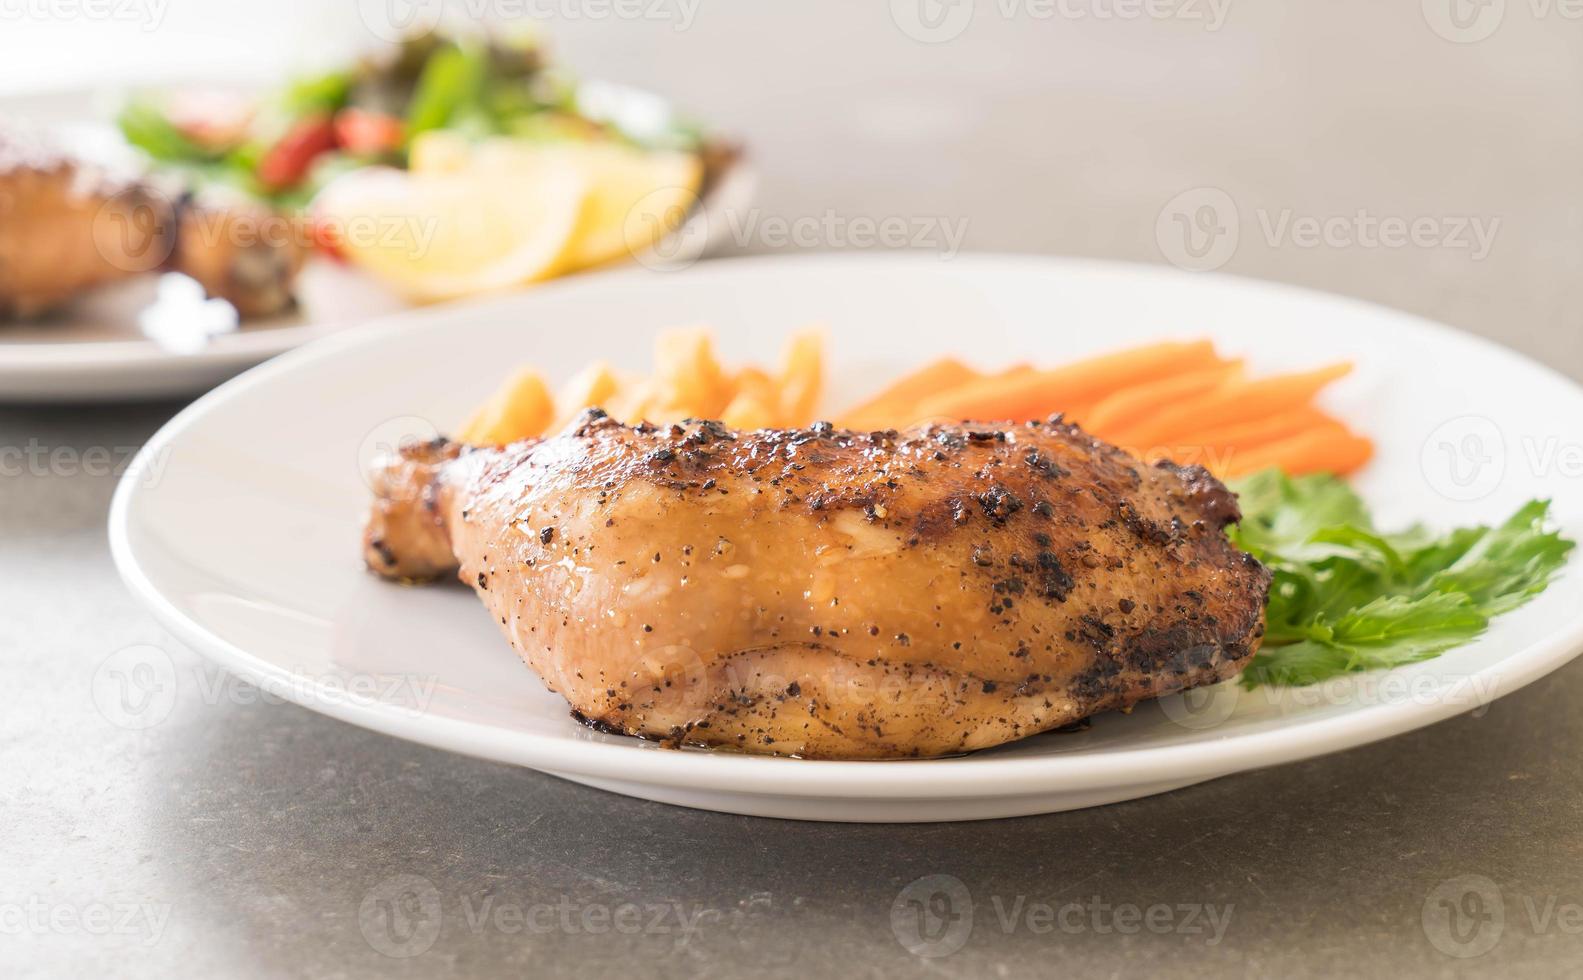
<point x="900" y="399"/>
<point x="1257" y="432"/>
<point x="1220" y="449"/>
<point x="1075" y="412"/>
<point x="1042" y="392"/>
<point x="1175" y="399"/>
<point x="1329" y="449"/>
<point x="919" y="413"/>
<point x="1130" y="406"/>
<point x="1232" y="403"/>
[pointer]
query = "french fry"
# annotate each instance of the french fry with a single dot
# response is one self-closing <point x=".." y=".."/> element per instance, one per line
<point x="754" y="386"/>
<point x="520" y="409"/>
<point x="801" y="377"/>
<point x="687" y="375"/>
<point x="639" y="402"/>
<point x="749" y="410"/>
<point x="595" y="386"/>
<point x="589" y="388"/>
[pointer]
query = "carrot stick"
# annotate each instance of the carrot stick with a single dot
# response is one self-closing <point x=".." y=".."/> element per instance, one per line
<point x="919" y="413"/>
<point x="1217" y="448"/>
<point x="1043" y="392"/>
<point x="1220" y="449"/>
<point x="901" y="397"/>
<point x="1257" y="432"/>
<point x="1232" y="403"/>
<point x="1329" y="449"/>
<point x="1130" y="406"/>
<point x="1074" y="412"/>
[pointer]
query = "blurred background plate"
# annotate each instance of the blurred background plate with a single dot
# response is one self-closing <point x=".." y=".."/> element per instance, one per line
<point x="96" y="350"/>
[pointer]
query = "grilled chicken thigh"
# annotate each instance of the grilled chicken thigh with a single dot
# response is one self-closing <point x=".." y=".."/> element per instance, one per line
<point x="67" y="227"/>
<point x="242" y="253"/>
<point x="833" y="594"/>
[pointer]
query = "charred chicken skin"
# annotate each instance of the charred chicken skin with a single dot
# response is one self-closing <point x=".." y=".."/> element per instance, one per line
<point x="67" y="227"/>
<point x="832" y="594"/>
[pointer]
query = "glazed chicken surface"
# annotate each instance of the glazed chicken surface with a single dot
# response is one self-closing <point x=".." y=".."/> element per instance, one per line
<point x="832" y="594"/>
<point x="67" y="227"/>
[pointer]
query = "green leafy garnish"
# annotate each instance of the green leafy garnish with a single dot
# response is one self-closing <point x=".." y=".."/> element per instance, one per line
<point x="317" y="93"/>
<point x="450" y="89"/>
<point x="1347" y="597"/>
<point x="145" y="126"/>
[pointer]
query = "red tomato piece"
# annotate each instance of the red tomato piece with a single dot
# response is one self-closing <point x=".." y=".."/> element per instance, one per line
<point x="367" y="133"/>
<point x="289" y="160"/>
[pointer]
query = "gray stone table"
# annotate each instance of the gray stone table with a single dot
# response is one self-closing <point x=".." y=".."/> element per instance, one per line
<point x="243" y="836"/>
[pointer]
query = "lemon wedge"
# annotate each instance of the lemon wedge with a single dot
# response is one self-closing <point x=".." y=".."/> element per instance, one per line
<point x="636" y="196"/>
<point x="441" y="235"/>
<point x="439" y="151"/>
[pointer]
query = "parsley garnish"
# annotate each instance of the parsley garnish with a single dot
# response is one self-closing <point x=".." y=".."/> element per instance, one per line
<point x="1346" y="597"/>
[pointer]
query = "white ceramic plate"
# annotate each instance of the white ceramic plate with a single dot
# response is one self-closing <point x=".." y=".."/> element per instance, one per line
<point x="96" y="350"/>
<point x="239" y="528"/>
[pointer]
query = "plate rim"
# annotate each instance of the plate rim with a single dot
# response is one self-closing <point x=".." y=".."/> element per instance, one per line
<point x="974" y="775"/>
